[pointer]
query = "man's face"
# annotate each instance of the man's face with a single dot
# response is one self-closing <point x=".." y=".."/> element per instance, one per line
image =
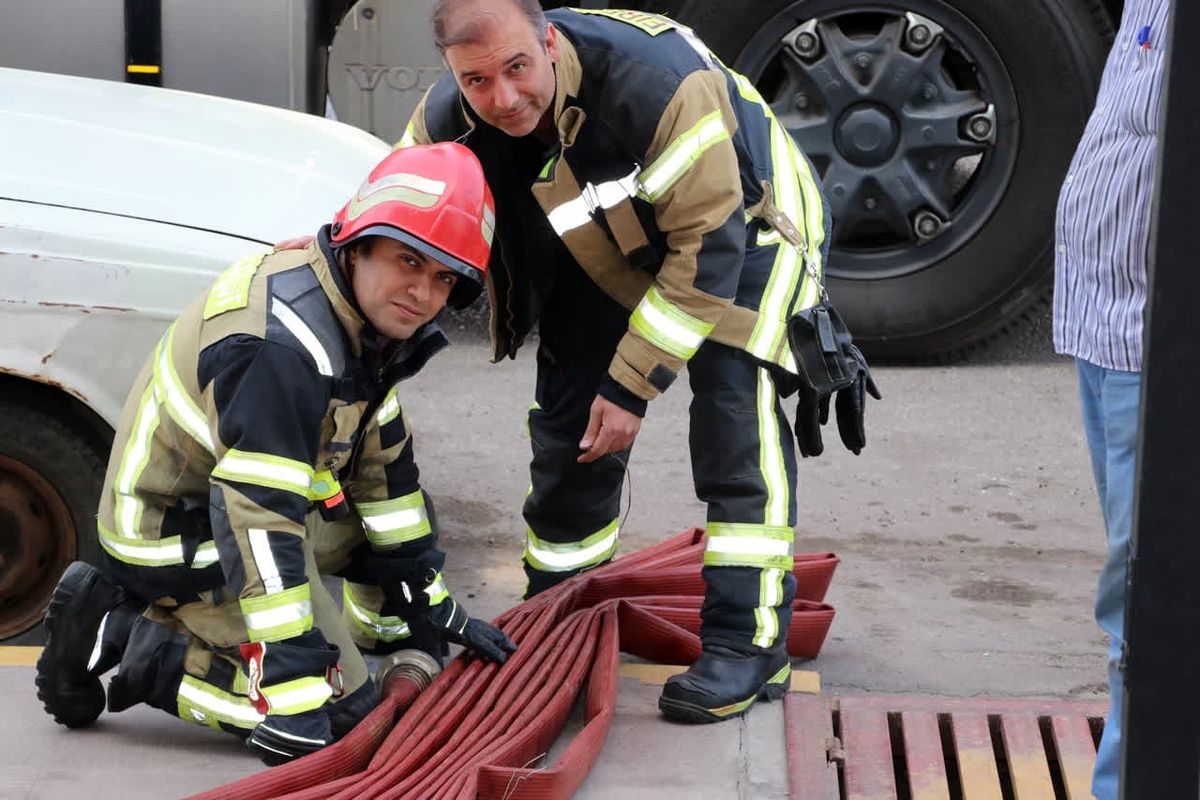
<point x="398" y="288"/>
<point x="508" y="75"/>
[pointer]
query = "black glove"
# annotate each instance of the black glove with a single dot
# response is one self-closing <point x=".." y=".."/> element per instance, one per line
<point x="851" y="402"/>
<point x="279" y="739"/>
<point x="474" y="634"/>
<point x="828" y="362"/>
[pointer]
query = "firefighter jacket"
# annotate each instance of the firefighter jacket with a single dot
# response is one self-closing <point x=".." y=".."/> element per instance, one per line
<point x="269" y="396"/>
<point x="672" y="185"/>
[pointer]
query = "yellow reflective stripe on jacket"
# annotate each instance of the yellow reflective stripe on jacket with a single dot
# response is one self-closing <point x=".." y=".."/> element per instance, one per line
<point x="746" y="544"/>
<point x="296" y="696"/>
<point x="679" y="156"/>
<point x="209" y="705"/>
<point x="280" y="615"/>
<point x="154" y="552"/>
<point x="262" y="469"/>
<point x="668" y="327"/>
<point x="409" y="138"/>
<point x="231" y="290"/>
<point x="170" y="392"/>
<point x="371" y="623"/>
<point x="127" y="507"/>
<point x="393" y="522"/>
<point x="562" y="557"/>
<point x="389" y="409"/>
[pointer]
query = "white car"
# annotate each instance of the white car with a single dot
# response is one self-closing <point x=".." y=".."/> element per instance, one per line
<point x="118" y="205"/>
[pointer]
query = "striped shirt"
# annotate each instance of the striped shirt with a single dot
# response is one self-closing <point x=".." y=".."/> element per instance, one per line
<point x="1103" y="220"/>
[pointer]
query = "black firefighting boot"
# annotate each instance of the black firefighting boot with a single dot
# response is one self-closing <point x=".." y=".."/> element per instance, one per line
<point x="76" y="653"/>
<point x="724" y="683"/>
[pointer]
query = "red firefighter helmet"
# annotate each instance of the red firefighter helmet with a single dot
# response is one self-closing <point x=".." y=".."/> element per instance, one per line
<point x="433" y="198"/>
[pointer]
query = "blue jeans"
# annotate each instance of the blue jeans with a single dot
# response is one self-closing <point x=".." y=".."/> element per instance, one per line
<point x="1110" y="418"/>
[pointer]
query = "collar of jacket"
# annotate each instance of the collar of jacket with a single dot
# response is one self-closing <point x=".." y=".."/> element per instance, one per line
<point x="399" y="359"/>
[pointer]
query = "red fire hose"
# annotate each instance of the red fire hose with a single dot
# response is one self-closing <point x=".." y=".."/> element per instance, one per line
<point x="474" y="732"/>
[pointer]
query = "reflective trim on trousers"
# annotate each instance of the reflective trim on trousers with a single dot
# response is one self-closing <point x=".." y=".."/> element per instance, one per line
<point x="566" y="556"/>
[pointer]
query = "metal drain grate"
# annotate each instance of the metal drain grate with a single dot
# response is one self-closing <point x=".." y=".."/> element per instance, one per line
<point x="940" y="748"/>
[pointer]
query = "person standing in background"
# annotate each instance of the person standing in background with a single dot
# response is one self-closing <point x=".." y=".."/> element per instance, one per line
<point x="1103" y="243"/>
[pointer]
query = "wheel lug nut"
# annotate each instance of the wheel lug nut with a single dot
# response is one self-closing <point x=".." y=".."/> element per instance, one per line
<point x="919" y="35"/>
<point x="979" y="127"/>
<point x="929" y="92"/>
<point x="870" y="204"/>
<point x="863" y="60"/>
<point x="926" y="225"/>
<point x="801" y="101"/>
<point x="806" y="43"/>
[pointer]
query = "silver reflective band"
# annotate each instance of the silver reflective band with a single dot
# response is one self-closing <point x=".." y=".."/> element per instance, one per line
<point x="561" y="561"/>
<point x="400" y="630"/>
<point x="240" y="467"/>
<point x="395" y="520"/>
<point x="312" y="693"/>
<point x="574" y="213"/>
<point x="687" y="340"/>
<point x="404" y="180"/>
<point x="195" y="693"/>
<point x="274" y="617"/>
<point x="390" y="409"/>
<point x="171" y="392"/>
<point x="264" y="559"/>
<point x="301" y="331"/>
<point x="745" y="545"/>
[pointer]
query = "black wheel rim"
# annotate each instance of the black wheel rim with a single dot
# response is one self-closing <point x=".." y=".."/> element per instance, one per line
<point x="907" y="112"/>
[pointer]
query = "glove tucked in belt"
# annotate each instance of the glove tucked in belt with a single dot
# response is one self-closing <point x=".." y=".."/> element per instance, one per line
<point x="828" y="362"/>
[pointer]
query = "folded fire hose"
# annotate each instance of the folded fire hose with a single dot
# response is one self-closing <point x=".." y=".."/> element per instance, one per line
<point x="474" y="730"/>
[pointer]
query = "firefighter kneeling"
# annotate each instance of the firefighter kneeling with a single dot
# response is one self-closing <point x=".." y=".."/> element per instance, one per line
<point x="263" y="445"/>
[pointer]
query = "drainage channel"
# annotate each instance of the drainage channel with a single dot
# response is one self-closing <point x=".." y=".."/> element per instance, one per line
<point x="940" y="748"/>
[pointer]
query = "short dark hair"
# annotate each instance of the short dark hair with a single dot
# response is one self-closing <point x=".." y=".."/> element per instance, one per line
<point x="472" y="32"/>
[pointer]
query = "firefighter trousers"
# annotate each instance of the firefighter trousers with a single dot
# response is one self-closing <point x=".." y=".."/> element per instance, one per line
<point x="185" y="660"/>
<point x="743" y="466"/>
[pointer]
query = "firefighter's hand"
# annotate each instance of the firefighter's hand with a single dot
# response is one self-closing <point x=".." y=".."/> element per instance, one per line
<point x="298" y="243"/>
<point x="610" y="429"/>
<point x="484" y="639"/>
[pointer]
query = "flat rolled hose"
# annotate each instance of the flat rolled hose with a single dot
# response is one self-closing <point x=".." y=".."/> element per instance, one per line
<point x="476" y="731"/>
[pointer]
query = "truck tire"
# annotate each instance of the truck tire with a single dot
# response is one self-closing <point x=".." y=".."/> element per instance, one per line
<point x="915" y="113"/>
<point x="50" y="483"/>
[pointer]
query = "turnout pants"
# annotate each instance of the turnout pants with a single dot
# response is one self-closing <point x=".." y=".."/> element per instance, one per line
<point x="743" y="466"/>
<point x="184" y="658"/>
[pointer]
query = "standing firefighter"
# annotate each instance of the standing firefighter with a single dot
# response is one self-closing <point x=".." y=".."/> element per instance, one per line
<point x="651" y="213"/>
<point x="264" y="433"/>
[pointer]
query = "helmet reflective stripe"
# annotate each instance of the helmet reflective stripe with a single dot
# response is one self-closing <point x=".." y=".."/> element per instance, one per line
<point x="488" y="224"/>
